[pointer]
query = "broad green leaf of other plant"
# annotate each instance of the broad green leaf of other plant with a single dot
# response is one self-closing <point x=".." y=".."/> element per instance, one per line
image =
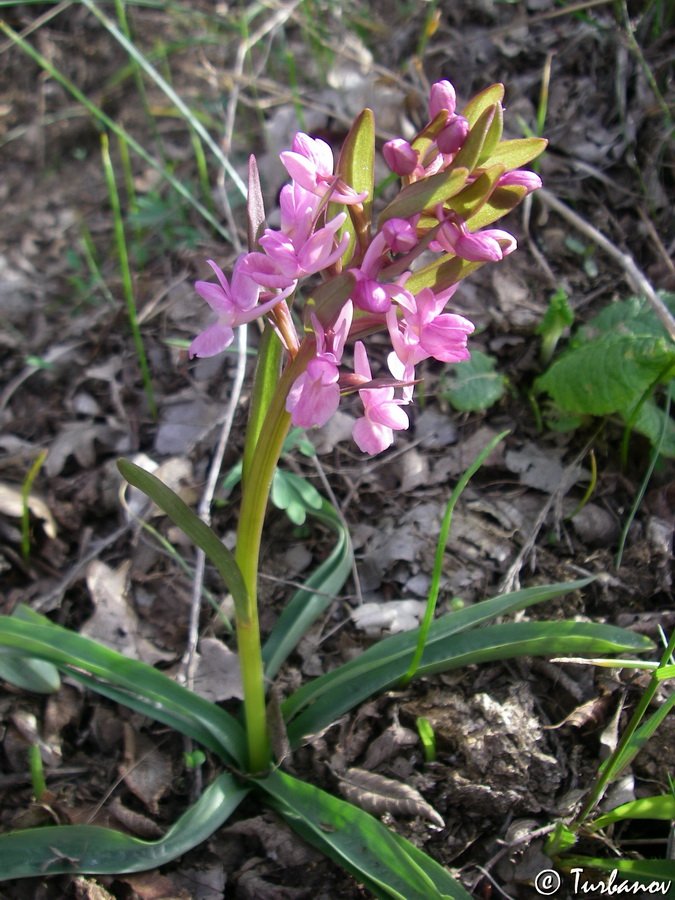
<point x="612" y="364"/>
<point x="474" y="384"/>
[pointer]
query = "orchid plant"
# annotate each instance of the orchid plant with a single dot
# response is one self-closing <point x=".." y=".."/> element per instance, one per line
<point x="321" y="284"/>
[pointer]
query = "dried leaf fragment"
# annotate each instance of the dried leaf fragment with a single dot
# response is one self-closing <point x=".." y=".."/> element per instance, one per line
<point x="377" y="794"/>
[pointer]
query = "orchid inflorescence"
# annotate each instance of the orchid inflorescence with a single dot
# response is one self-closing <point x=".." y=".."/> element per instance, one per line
<point x="457" y="176"/>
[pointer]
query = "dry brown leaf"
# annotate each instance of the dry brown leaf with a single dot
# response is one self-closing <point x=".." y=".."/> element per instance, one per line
<point x="114" y="622"/>
<point x="135" y="822"/>
<point x="377" y="794"/>
<point x="153" y="886"/>
<point x="89" y="889"/>
<point x="11" y="504"/>
<point x="147" y="770"/>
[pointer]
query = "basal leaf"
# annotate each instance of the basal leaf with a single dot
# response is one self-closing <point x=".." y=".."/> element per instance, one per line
<point x="34" y="675"/>
<point x="662" y="806"/>
<point x="474" y="384"/>
<point x="92" y="850"/>
<point x="478" y="645"/>
<point x="645" y="871"/>
<point x="389" y="866"/>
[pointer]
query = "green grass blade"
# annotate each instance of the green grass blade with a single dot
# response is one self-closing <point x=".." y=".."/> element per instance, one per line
<point x="92" y="850"/>
<point x="189" y="522"/>
<point x="467" y="648"/>
<point x="162" y="698"/>
<point x="309" y="603"/>
<point x="388" y="865"/>
<point x="194" y="122"/>
<point x="125" y="272"/>
<point x="109" y="123"/>
<point x="662" y="806"/>
<point x="402" y="645"/>
<point x="440" y="553"/>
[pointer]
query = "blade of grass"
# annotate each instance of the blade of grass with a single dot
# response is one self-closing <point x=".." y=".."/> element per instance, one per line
<point x="25" y="508"/>
<point x="109" y="123"/>
<point x="174" y="97"/>
<point x="440" y="552"/>
<point x="90" y="849"/>
<point x="125" y="271"/>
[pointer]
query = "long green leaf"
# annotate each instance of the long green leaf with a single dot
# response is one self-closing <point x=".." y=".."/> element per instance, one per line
<point x="662" y="806"/>
<point x="387" y="864"/>
<point x="425" y="194"/>
<point x="189" y="522"/>
<point x="401" y="645"/>
<point x="479" y="645"/>
<point x="161" y="697"/>
<point x="311" y="601"/>
<point x="356" y="166"/>
<point x="28" y="674"/>
<point x="89" y="849"/>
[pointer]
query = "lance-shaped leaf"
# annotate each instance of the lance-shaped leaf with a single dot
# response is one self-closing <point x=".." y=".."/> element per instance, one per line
<point x="662" y="806"/>
<point x="356" y="167"/>
<point x="34" y="675"/>
<point x="645" y="871"/>
<point x="469" y="201"/>
<point x="493" y="135"/>
<point x="92" y="850"/>
<point x="478" y="104"/>
<point x="388" y="865"/>
<point x="425" y="194"/>
<point x="255" y="206"/>
<point x="516" y="153"/>
<point x="441" y="273"/>
<point x="197" y="530"/>
<point x="500" y="202"/>
<point x="378" y="795"/>
<point x="472" y="148"/>
<point x="125" y="680"/>
<point x="314" y="598"/>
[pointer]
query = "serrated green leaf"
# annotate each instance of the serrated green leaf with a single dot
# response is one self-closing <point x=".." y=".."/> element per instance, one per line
<point x="425" y="194"/>
<point x="516" y="153"/>
<point x="387" y="864"/>
<point x="92" y="850"/>
<point x="474" y="384"/>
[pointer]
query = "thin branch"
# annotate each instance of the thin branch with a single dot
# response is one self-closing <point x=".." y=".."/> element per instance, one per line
<point x="635" y="277"/>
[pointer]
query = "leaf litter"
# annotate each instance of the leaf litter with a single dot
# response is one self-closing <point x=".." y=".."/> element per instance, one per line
<point x="81" y="398"/>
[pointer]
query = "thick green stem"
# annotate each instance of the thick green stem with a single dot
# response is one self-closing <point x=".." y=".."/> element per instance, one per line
<point x="249" y="534"/>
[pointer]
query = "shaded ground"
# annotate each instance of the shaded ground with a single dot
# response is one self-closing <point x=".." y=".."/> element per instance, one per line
<point x="71" y="384"/>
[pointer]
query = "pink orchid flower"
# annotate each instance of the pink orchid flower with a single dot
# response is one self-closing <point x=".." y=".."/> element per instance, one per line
<point x="490" y="245"/>
<point x="374" y="431"/>
<point x="235" y="305"/>
<point x="441" y="335"/>
<point x="315" y="394"/>
<point x="369" y="294"/>
<point x="310" y="163"/>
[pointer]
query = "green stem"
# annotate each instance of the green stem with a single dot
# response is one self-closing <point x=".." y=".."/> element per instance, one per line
<point x="249" y="534"/>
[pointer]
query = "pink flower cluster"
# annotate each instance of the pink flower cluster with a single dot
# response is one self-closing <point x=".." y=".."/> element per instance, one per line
<point x="309" y="243"/>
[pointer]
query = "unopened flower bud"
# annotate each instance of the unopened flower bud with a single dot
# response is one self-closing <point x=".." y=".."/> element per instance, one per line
<point x="451" y="138"/>
<point x="400" y="156"/>
<point x="521" y="177"/>
<point x="399" y="235"/>
<point x="442" y="97"/>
